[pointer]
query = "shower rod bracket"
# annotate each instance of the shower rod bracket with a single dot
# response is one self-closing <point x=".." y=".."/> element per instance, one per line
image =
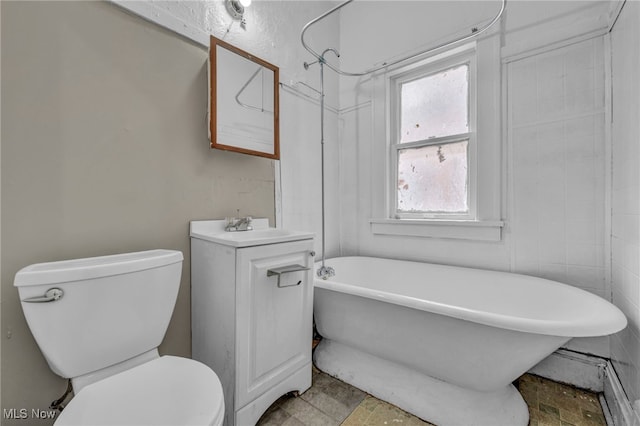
<point x="321" y="59"/>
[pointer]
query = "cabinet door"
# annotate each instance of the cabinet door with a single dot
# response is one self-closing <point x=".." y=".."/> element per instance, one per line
<point x="273" y="324"/>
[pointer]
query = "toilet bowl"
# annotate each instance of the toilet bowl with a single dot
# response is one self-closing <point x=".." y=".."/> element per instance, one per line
<point x="166" y="391"/>
<point x="99" y="321"/>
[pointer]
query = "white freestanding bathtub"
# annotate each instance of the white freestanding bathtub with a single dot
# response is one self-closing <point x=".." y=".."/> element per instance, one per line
<point x="445" y="343"/>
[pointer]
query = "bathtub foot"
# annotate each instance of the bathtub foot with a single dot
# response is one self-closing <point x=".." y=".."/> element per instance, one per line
<point x="428" y="398"/>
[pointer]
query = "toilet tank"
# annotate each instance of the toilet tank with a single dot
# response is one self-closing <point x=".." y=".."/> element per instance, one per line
<point x="112" y="308"/>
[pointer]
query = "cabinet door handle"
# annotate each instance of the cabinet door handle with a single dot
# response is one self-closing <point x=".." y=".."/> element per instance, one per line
<point x="286" y="270"/>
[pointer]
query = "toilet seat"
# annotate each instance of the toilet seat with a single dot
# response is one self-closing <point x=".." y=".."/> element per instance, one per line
<point x="168" y="390"/>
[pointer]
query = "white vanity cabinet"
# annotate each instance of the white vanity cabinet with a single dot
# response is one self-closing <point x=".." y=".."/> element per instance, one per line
<point x="251" y="310"/>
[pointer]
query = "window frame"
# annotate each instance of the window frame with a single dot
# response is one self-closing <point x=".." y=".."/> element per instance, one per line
<point x="425" y="68"/>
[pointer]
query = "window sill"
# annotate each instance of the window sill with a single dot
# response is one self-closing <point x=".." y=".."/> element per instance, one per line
<point x="478" y="230"/>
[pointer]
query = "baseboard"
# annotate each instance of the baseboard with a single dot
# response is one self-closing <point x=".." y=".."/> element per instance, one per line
<point x="593" y="373"/>
<point x="620" y="410"/>
<point x="573" y="368"/>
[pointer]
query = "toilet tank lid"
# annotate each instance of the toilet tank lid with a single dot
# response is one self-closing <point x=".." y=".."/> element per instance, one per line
<point x="94" y="267"/>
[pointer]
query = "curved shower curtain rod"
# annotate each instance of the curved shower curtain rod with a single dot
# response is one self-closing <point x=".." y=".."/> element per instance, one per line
<point x="474" y="33"/>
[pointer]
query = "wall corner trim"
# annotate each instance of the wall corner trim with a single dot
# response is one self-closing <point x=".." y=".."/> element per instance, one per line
<point x="614" y="12"/>
<point x="621" y="413"/>
<point x="152" y="13"/>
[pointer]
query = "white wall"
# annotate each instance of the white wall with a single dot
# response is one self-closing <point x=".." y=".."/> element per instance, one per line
<point x="553" y="143"/>
<point x="625" y="346"/>
<point x="556" y="137"/>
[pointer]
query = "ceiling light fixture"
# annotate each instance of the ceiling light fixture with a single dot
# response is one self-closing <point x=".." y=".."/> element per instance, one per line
<point x="236" y="9"/>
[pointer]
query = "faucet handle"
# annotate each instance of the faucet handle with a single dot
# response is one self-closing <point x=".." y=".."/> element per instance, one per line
<point x="245" y="223"/>
<point x="238" y="224"/>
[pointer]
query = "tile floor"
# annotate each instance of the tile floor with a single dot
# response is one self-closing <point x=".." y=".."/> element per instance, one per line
<point x="552" y="403"/>
<point x="331" y="402"/>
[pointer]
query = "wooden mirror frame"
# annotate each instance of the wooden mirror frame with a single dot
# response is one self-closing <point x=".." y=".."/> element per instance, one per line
<point x="213" y="63"/>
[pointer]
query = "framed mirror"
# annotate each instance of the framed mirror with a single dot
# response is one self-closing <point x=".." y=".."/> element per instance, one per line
<point x="243" y="102"/>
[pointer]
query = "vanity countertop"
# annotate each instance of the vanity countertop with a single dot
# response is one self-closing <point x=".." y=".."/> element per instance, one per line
<point x="213" y="230"/>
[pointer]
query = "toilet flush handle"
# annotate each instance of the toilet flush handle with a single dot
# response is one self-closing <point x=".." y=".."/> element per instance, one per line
<point x="51" y="295"/>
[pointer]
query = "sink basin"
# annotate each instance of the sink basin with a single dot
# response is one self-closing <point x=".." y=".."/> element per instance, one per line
<point x="213" y="230"/>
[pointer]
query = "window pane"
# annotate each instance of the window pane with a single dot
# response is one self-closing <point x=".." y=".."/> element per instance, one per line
<point x="433" y="179"/>
<point x="435" y="105"/>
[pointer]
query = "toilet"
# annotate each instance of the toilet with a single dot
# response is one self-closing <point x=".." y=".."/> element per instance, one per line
<point x="99" y="321"/>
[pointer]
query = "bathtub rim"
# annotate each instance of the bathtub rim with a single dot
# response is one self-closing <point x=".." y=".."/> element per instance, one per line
<point x="562" y="328"/>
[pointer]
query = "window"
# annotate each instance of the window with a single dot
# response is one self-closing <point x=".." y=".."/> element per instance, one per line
<point x="437" y="138"/>
<point x="432" y="139"/>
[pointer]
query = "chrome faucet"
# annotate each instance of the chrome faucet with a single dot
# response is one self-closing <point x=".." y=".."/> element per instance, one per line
<point x="238" y="224"/>
<point x="325" y="272"/>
